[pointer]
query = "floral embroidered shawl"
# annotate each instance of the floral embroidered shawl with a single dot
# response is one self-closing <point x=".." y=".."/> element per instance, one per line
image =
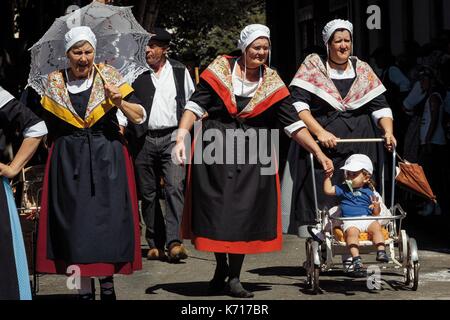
<point x="313" y="77"/>
<point x="57" y="101"/>
<point x="271" y="90"/>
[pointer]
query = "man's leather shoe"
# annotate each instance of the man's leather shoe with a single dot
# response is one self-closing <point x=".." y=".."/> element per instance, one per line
<point x="177" y="252"/>
<point x="156" y="254"/>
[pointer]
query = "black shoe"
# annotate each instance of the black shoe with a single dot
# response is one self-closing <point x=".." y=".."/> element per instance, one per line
<point x="382" y="256"/>
<point x="216" y="285"/>
<point x="235" y="289"/>
<point x="108" y="296"/>
<point x="108" y="293"/>
<point x="86" y="297"/>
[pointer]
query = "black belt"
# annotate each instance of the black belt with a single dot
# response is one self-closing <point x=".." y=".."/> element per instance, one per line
<point x="161" y="132"/>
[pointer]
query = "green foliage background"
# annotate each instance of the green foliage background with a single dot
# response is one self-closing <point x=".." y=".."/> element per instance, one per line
<point x="204" y="29"/>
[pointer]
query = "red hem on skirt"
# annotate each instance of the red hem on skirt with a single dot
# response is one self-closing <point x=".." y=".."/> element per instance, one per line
<point x="45" y="265"/>
<point x="237" y="247"/>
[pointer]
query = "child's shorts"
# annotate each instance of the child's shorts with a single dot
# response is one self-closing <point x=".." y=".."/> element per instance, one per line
<point x="362" y="225"/>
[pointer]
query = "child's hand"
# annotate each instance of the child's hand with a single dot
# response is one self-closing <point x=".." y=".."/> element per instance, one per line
<point x="328" y="174"/>
<point x="375" y="206"/>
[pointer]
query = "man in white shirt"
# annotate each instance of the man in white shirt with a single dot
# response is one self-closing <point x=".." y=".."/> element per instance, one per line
<point x="164" y="92"/>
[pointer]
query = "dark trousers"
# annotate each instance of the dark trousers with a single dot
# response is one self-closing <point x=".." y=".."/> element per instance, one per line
<point x="153" y="161"/>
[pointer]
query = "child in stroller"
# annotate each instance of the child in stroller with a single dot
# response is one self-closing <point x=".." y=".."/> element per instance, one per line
<point x="357" y="199"/>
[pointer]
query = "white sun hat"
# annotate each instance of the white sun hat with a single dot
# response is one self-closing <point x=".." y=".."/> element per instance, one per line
<point x="358" y="162"/>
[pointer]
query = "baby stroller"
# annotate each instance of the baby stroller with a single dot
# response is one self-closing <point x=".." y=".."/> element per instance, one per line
<point x="402" y="249"/>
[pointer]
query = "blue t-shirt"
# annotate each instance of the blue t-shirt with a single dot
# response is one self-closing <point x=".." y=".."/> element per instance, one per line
<point x="356" y="203"/>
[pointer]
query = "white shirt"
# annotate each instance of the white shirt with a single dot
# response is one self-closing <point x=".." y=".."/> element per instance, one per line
<point x="337" y="74"/>
<point x="37" y="130"/>
<point x="244" y="88"/>
<point x="164" y="108"/>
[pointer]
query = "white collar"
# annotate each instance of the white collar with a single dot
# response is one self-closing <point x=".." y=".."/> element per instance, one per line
<point x="77" y="86"/>
<point x="348" y="73"/>
<point x="243" y="87"/>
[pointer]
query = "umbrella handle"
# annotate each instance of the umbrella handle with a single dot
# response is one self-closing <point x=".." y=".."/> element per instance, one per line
<point x="101" y="75"/>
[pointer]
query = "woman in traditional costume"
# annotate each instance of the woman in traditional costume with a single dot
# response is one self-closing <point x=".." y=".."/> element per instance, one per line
<point x="233" y="207"/>
<point x="338" y="96"/>
<point x="14" y="116"/>
<point x="89" y="213"/>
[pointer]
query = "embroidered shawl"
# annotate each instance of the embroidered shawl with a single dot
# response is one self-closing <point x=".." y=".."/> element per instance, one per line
<point x="271" y="90"/>
<point x="57" y="101"/>
<point x="313" y="77"/>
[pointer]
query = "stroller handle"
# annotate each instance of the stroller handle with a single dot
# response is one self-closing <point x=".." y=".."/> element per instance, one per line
<point x="338" y="140"/>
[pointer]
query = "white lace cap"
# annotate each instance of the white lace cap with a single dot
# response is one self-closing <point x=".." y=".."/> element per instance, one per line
<point x="78" y="34"/>
<point x="332" y="26"/>
<point x="252" y="32"/>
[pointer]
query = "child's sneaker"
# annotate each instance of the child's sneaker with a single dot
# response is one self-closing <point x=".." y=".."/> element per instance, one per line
<point x="382" y="256"/>
<point x="358" y="268"/>
<point x="347" y="264"/>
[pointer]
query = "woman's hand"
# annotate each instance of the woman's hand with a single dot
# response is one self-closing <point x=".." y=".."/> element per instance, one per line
<point x="179" y="153"/>
<point x="389" y="141"/>
<point x="113" y="93"/>
<point x="327" y="139"/>
<point x="326" y="163"/>
<point x="7" y="171"/>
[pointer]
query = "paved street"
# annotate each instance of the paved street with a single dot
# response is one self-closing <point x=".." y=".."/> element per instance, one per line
<point x="274" y="276"/>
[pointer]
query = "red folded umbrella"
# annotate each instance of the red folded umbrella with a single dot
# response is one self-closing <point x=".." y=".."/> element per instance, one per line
<point x="413" y="178"/>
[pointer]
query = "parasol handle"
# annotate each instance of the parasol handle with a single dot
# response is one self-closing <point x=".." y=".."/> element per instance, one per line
<point x="100" y="74"/>
<point x="197" y="77"/>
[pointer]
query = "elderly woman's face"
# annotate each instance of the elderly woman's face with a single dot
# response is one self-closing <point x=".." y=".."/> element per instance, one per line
<point x="341" y="46"/>
<point x="257" y="52"/>
<point x="81" y="60"/>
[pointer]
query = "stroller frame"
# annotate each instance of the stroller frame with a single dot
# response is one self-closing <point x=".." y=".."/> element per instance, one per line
<point x="403" y="251"/>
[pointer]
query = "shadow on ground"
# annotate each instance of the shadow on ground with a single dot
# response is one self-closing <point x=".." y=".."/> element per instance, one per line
<point x="199" y="288"/>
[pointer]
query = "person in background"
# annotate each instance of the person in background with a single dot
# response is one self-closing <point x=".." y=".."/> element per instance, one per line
<point x="14" y="279"/>
<point x="164" y="91"/>
<point x="433" y="150"/>
<point x="397" y="88"/>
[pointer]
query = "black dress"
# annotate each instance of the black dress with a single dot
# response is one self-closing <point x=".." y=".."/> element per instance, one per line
<point x="236" y="208"/>
<point x="89" y="207"/>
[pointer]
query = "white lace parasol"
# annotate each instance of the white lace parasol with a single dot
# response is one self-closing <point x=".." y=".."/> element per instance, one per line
<point x="120" y="42"/>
